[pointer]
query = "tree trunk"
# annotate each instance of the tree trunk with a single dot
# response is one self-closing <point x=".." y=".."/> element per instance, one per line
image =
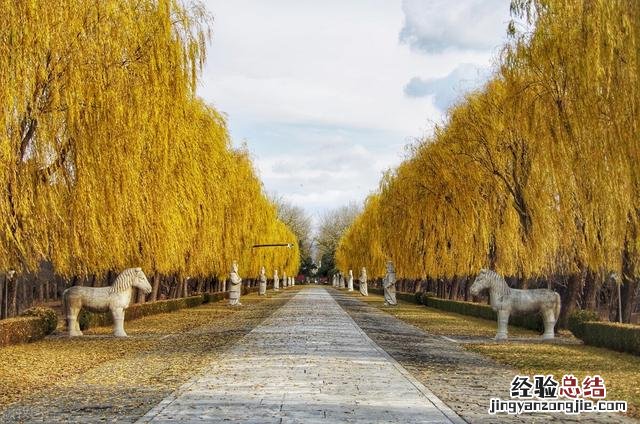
<point x="628" y="289"/>
<point x="13" y="297"/>
<point x="141" y="296"/>
<point x="185" y="291"/>
<point x="155" y="285"/>
<point x="455" y="283"/>
<point x="173" y="287"/>
<point x="574" y="287"/>
<point x="3" y="279"/>
<point x="467" y="288"/>
<point x="200" y="287"/>
<point x="590" y="291"/>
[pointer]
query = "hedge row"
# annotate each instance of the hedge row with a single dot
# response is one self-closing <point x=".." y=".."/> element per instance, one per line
<point x="583" y="324"/>
<point x="100" y="319"/>
<point x="34" y="324"/>
<point x="407" y="297"/>
<point x="38" y="322"/>
<point x="621" y="337"/>
<point x="532" y="322"/>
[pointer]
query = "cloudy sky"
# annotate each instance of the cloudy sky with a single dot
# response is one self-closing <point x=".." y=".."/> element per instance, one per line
<point x="326" y="94"/>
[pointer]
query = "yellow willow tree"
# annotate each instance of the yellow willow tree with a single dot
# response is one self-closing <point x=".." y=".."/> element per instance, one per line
<point x="592" y="111"/>
<point x="498" y="134"/>
<point x="86" y="88"/>
<point x="535" y="175"/>
<point x="108" y="158"/>
<point x="360" y="245"/>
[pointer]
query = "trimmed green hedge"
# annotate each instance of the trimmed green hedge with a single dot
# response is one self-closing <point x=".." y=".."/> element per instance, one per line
<point x="578" y="318"/>
<point x="620" y="337"/>
<point x="34" y="324"/>
<point x="214" y="297"/>
<point x="100" y="319"/>
<point x="585" y="325"/>
<point x="532" y="322"/>
<point x="88" y="319"/>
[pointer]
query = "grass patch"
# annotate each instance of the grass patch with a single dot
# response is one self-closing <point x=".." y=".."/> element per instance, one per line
<point x="620" y="371"/>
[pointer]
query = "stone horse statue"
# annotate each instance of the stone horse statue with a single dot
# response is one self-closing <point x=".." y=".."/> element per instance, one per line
<point x="505" y="301"/>
<point x="115" y="298"/>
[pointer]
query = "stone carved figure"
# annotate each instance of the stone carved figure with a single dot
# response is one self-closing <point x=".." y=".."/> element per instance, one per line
<point x="505" y="301"/>
<point x="350" y="281"/>
<point x="285" y="281"/>
<point x="341" y="281"/>
<point x="334" y="282"/>
<point x="115" y="298"/>
<point x="276" y="281"/>
<point x="293" y="281"/>
<point x="262" y="288"/>
<point x="235" y="286"/>
<point x="363" y="282"/>
<point x="389" y="285"/>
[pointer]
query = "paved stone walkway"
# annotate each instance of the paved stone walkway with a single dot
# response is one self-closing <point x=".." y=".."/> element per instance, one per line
<point x="309" y="362"/>
<point x="464" y="380"/>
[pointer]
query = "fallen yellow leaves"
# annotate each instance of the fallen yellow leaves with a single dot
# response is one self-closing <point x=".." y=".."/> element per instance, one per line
<point x="162" y="352"/>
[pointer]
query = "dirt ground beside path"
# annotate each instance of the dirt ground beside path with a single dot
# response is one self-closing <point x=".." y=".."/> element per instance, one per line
<point x="97" y="378"/>
<point x="464" y="380"/>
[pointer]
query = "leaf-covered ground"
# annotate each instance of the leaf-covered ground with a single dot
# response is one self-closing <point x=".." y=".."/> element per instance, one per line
<point x="621" y="371"/>
<point x="98" y="377"/>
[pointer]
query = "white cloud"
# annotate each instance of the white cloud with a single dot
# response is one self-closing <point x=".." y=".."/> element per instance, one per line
<point x="451" y="88"/>
<point x="316" y="90"/>
<point x="437" y="25"/>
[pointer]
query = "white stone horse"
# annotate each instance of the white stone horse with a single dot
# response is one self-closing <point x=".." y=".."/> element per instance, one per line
<point x="505" y="301"/>
<point x="115" y="298"/>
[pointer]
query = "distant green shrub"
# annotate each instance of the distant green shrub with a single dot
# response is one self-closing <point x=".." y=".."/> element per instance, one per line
<point x="578" y="318"/>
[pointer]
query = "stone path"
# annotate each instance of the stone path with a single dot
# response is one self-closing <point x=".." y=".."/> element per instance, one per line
<point x="308" y="362"/>
<point x="464" y="380"/>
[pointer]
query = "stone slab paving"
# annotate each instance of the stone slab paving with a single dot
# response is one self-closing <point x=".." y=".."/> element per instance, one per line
<point x="308" y="362"/>
<point x="464" y="380"/>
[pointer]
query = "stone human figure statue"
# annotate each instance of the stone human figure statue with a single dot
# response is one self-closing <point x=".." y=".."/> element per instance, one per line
<point x="276" y="281"/>
<point x="284" y="280"/>
<point x="389" y="285"/>
<point x="363" y="282"/>
<point x="235" y="286"/>
<point x="333" y="281"/>
<point x="262" y="288"/>
<point x="293" y="281"/>
<point x="350" y="281"/>
<point x="341" y="281"/>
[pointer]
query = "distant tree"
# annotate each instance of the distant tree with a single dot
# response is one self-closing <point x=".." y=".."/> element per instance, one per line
<point x="333" y="224"/>
<point x="298" y="221"/>
<point x="307" y="266"/>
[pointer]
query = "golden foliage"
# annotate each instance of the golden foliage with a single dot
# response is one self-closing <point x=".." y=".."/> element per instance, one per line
<point x="108" y="158"/>
<point x="536" y="173"/>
